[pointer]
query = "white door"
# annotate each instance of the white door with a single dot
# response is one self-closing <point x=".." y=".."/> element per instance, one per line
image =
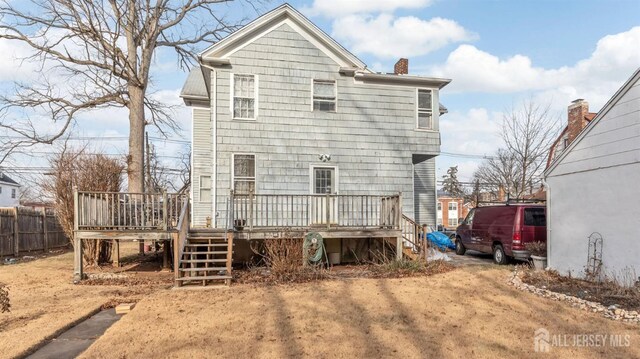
<point x="324" y="208"/>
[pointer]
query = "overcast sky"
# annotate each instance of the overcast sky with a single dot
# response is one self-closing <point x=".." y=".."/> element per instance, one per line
<point x="496" y="52"/>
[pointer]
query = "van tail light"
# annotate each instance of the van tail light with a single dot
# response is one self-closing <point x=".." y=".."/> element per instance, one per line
<point x="517" y="238"/>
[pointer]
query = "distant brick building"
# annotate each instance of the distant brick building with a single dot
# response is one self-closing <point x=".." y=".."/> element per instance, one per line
<point x="451" y="210"/>
<point x="578" y="117"/>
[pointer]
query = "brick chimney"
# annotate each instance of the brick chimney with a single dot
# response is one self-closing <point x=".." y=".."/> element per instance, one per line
<point x="578" y="110"/>
<point x="401" y="67"/>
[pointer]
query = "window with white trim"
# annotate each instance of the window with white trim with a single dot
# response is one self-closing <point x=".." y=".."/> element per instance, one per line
<point x="453" y="206"/>
<point x="244" y="97"/>
<point x="13" y="193"/>
<point x="205" y="188"/>
<point x="453" y="222"/>
<point x="425" y="109"/>
<point x="324" y="95"/>
<point x="244" y="173"/>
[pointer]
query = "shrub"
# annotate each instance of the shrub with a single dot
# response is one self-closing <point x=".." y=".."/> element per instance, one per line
<point x="537" y="248"/>
<point x="88" y="172"/>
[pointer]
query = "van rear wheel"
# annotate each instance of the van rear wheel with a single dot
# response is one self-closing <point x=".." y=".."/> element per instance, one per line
<point x="460" y="249"/>
<point x="498" y="254"/>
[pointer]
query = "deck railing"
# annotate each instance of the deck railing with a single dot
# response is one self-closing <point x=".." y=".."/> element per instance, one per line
<point x="414" y="237"/>
<point x="309" y="210"/>
<point x="127" y="211"/>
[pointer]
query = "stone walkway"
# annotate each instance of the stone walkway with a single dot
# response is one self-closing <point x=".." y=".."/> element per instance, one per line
<point x="77" y="339"/>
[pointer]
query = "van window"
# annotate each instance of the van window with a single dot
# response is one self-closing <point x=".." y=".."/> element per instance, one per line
<point x="469" y="219"/>
<point x="535" y="217"/>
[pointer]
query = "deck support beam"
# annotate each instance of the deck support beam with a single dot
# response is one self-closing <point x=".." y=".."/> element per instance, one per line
<point x="165" y="254"/>
<point x="78" y="270"/>
<point x="399" y="247"/>
<point x="116" y="252"/>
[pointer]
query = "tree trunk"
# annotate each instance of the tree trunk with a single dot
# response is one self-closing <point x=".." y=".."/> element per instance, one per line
<point x="135" y="168"/>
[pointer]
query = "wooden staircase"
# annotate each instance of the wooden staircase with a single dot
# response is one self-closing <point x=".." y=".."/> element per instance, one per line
<point x="414" y="247"/>
<point x="206" y="257"/>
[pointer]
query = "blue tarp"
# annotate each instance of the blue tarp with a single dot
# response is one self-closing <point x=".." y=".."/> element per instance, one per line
<point x="440" y="240"/>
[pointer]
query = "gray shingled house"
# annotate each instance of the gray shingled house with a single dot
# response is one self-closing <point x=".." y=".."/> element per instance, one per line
<point x="282" y="111"/>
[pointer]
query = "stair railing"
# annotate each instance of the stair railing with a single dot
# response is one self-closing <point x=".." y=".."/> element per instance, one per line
<point x="180" y="238"/>
<point x="413" y="234"/>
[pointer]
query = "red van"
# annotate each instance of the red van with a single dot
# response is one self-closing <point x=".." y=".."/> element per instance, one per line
<point x="502" y="230"/>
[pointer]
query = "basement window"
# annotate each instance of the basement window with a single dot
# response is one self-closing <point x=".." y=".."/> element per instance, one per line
<point x="324" y="95"/>
<point x="425" y="109"/>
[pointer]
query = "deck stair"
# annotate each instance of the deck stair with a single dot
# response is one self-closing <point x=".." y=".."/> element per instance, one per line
<point x="414" y="244"/>
<point x="206" y="258"/>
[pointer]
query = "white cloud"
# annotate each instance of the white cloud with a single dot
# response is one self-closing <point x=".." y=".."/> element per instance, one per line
<point x="338" y="8"/>
<point x="387" y="36"/>
<point x="471" y="132"/>
<point x="614" y="59"/>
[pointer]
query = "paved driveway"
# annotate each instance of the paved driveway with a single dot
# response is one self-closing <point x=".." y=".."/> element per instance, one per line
<point x="471" y="258"/>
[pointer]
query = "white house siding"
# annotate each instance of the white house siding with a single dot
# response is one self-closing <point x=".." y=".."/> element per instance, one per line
<point x="371" y="137"/>
<point x="424" y="186"/>
<point x="202" y="163"/>
<point x="5" y="195"/>
<point x="594" y="188"/>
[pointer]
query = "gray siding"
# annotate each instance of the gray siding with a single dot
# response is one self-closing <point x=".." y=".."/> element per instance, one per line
<point x="201" y="163"/>
<point x="614" y="141"/>
<point x="371" y="137"/>
<point x="424" y="185"/>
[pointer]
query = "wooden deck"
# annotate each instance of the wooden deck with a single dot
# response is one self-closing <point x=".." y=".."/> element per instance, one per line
<point x="166" y="217"/>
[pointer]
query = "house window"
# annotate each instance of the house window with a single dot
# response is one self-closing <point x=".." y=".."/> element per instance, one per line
<point x="0" y="189"/>
<point x="439" y="221"/>
<point x="453" y="222"/>
<point x="324" y="95"/>
<point x="205" y="188"/>
<point x="439" y="206"/>
<point x="244" y="97"/>
<point x="453" y="206"/>
<point x="244" y="173"/>
<point x="13" y="193"/>
<point x="425" y="110"/>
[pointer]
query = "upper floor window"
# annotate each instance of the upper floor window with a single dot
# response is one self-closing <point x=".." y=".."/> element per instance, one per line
<point x="425" y="109"/>
<point x="439" y="206"/>
<point x="244" y="173"/>
<point x="245" y="93"/>
<point x="453" y="206"/>
<point x="13" y="193"/>
<point x="324" y="95"/>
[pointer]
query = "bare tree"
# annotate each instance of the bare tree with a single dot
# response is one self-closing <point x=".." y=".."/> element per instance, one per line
<point x="98" y="54"/>
<point x="528" y="133"/>
<point x="499" y="172"/>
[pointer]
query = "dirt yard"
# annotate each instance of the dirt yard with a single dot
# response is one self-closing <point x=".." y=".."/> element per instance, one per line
<point x="468" y="312"/>
<point x="44" y="301"/>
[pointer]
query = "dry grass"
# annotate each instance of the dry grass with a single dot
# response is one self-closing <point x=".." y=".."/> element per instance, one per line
<point x="44" y="301"/>
<point x="607" y="292"/>
<point x="468" y="312"/>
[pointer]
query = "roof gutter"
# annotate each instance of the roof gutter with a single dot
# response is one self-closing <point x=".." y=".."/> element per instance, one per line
<point x="402" y="79"/>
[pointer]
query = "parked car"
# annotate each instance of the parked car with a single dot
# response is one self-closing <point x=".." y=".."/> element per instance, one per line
<point x="502" y="230"/>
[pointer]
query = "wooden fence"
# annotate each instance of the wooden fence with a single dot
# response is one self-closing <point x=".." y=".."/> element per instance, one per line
<point x="24" y="230"/>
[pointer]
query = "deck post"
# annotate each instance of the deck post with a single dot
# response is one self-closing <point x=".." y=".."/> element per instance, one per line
<point x="116" y="252"/>
<point x="328" y="215"/>
<point x="165" y="216"/>
<point x="251" y="210"/>
<point x="165" y="254"/>
<point x="78" y="274"/>
<point x="399" y="241"/>
<point x="229" y="255"/>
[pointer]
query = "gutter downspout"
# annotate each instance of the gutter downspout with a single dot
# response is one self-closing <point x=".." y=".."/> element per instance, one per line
<point x="214" y="134"/>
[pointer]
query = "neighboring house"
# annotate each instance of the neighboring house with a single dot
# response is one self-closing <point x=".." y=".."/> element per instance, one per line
<point x="593" y="187"/>
<point x="9" y="191"/>
<point x="279" y="107"/>
<point x="578" y="117"/>
<point x="451" y="210"/>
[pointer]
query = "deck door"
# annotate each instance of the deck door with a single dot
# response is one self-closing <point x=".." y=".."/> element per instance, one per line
<point x="324" y="182"/>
